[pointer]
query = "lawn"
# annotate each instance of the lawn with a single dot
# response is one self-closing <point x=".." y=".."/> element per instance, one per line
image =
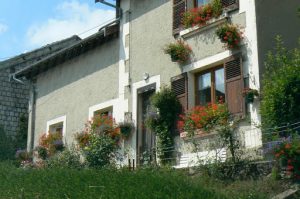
<point x="109" y="183"/>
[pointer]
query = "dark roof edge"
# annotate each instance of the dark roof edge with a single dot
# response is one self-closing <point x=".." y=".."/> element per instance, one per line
<point x="81" y="43"/>
<point x="7" y="61"/>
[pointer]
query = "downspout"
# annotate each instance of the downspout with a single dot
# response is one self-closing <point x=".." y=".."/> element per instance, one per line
<point x="13" y="76"/>
<point x="31" y="117"/>
<point x="118" y="14"/>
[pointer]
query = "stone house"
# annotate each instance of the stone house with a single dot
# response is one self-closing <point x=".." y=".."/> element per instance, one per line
<point x="14" y="94"/>
<point x="117" y="69"/>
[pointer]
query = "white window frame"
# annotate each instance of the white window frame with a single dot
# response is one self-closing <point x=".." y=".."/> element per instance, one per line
<point x="62" y="119"/>
<point x="103" y="106"/>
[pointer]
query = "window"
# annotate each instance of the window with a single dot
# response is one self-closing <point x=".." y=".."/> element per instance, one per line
<point x="198" y="3"/>
<point x="106" y="111"/>
<point x="57" y="125"/>
<point x="210" y="86"/>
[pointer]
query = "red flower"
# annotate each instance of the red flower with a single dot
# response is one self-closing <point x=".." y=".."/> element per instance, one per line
<point x="288" y="146"/>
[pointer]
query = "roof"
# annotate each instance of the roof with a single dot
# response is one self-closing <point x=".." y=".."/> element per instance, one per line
<point x="63" y="55"/>
<point x="28" y="58"/>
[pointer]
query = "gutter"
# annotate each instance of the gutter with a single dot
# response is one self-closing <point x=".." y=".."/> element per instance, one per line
<point x="13" y="76"/>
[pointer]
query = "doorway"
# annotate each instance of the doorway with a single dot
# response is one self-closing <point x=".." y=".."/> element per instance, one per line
<point x="145" y="137"/>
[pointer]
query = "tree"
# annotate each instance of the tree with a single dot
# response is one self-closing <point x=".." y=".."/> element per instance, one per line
<point x="281" y="87"/>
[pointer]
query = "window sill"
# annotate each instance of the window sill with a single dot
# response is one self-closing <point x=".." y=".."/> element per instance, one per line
<point x="210" y="24"/>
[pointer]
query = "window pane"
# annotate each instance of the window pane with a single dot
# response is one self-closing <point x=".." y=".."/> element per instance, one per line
<point x="204" y="88"/>
<point x="220" y="84"/>
<point x="202" y="2"/>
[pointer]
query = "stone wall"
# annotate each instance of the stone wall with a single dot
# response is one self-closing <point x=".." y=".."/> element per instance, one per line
<point x="13" y="101"/>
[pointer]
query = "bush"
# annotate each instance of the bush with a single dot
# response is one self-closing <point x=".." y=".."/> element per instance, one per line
<point x="99" y="141"/>
<point x="7" y="150"/>
<point x="51" y="142"/>
<point x="68" y="158"/>
<point x="281" y="87"/>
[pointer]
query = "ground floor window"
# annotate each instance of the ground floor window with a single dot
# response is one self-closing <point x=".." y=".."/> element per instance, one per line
<point x="104" y="112"/>
<point x="210" y="86"/>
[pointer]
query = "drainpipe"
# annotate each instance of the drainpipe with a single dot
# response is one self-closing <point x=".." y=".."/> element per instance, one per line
<point x="31" y="117"/>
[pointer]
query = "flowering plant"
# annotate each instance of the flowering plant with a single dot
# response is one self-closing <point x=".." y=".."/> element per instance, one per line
<point x="125" y="128"/>
<point x="203" y="117"/>
<point x="199" y="16"/>
<point x="289" y="155"/>
<point x="100" y="125"/>
<point x="49" y="144"/>
<point x="230" y="35"/>
<point x="99" y="140"/>
<point x="249" y="94"/>
<point x="179" y="51"/>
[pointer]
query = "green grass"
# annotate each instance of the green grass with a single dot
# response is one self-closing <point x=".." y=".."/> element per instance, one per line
<point x="123" y="184"/>
<point x="87" y="183"/>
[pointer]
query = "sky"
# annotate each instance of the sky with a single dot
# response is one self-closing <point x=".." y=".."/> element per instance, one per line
<point x="30" y="24"/>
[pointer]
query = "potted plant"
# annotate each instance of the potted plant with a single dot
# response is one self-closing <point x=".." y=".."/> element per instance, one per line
<point x="179" y="51"/>
<point x="125" y="129"/>
<point x="199" y="16"/>
<point x="250" y="94"/>
<point x="230" y="35"/>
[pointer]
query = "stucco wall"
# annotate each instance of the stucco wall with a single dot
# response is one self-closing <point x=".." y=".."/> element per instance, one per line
<point x="71" y="88"/>
<point x="276" y="17"/>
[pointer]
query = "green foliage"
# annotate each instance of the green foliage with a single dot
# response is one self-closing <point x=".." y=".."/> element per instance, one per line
<point x="99" y="141"/>
<point x="169" y="108"/>
<point x="281" y="87"/>
<point x="101" y="150"/>
<point x="21" y="136"/>
<point x="68" y="158"/>
<point x="7" y="150"/>
<point x="126" y="129"/>
<point x="179" y="51"/>
<point x="230" y="35"/>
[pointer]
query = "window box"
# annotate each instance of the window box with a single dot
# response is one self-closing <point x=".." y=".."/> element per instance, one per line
<point x="210" y="24"/>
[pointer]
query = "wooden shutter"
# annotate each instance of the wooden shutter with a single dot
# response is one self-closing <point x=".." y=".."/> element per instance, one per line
<point x="179" y="86"/>
<point x="234" y="86"/>
<point x="230" y="3"/>
<point x="179" y="7"/>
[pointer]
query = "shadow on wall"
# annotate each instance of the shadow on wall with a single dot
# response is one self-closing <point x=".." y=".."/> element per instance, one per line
<point x="104" y="57"/>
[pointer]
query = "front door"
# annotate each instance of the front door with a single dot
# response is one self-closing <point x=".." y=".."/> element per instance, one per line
<point x="145" y="137"/>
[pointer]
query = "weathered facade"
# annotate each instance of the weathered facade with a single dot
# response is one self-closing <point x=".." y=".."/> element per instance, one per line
<point x="120" y="67"/>
<point x="14" y="94"/>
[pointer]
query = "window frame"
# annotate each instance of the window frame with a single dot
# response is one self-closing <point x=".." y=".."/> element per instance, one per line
<point x="213" y="83"/>
<point x="63" y="120"/>
<point x="196" y="4"/>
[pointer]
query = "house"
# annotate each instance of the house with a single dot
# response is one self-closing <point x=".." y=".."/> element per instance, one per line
<point x="14" y="94"/>
<point x="117" y="69"/>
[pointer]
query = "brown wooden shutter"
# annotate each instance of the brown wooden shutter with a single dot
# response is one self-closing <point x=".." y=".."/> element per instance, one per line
<point x="230" y="3"/>
<point x="234" y="86"/>
<point x="179" y="86"/>
<point x="179" y="7"/>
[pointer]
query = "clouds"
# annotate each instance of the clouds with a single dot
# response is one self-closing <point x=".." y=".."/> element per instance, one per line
<point x="3" y="28"/>
<point x="72" y="18"/>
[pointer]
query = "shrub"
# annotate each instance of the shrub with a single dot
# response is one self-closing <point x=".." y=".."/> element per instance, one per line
<point x="288" y="156"/>
<point x="230" y="35"/>
<point x="99" y="141"/>
<point x="281" y="87"/>
<point x="163" y="123"/>
<point x="179" y="51"/>
<point x="7" y="150"/>
<point x="51" y="142"/>
<point x="68" y="158"/>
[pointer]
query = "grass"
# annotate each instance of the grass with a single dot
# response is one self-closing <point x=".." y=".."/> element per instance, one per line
<point x="88" y="183"/>
<point x="119" y="184"/>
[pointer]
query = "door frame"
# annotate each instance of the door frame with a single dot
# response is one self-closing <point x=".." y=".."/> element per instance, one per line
<point x="135" y="88"/>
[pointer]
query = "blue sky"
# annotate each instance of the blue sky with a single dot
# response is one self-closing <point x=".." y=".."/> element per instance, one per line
<point x="26" y="25"/>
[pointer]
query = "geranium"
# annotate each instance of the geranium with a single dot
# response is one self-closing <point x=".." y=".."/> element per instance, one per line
<point x="50" y="143"/>
<point x="203" y="117"/>
<point x="179" y="51"/>
<point x="289" y="156"/>
<point x="199" y="16"/>
<point x="230" y="35"/>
